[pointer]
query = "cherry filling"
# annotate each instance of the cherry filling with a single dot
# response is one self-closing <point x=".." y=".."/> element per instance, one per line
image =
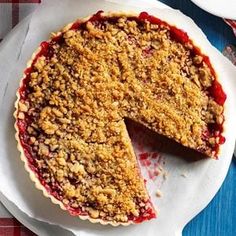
<point x="47" y="50"/>
<point x="217" y="92"/>
<point x="147" y="52"/>
<point x="147" y="214"/>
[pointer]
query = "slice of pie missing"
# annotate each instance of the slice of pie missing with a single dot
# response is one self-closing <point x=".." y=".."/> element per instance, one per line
<point x="81" y="85"/>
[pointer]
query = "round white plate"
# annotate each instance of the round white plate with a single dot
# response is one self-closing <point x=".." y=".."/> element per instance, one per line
<point x="183" y="197"/>
<point x="222" y="8"/>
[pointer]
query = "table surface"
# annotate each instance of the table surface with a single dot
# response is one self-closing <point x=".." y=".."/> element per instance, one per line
<point x="217" y="219"/>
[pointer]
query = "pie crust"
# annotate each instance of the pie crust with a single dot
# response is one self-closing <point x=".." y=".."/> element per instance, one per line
<point x="195" y="122"/>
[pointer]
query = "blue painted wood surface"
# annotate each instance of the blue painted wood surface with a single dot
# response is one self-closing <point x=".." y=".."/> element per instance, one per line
<point x="219" y="218"/>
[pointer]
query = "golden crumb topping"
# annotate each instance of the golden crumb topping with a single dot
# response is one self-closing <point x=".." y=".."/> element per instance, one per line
<point x="77" y="100"/>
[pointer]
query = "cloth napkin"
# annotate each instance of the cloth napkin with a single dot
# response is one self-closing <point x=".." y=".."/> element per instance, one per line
<point x="9" y="226"/>
<point x="231" y="23"/>
<point x="11" y="12"/>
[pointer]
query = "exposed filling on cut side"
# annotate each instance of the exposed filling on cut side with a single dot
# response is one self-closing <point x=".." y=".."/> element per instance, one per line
<point x="81" y="86"/>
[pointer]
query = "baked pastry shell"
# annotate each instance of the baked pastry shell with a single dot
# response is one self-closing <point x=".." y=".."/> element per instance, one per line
<point x="32" y="174"/>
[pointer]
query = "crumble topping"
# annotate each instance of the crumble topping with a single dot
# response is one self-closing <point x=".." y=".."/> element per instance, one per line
<point x="159" y="193"/>
<point x="77" y="100"/>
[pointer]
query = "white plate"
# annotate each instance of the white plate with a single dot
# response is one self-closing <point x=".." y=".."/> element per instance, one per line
<point x="222" y="8"/>
<point x="183" y="197"/>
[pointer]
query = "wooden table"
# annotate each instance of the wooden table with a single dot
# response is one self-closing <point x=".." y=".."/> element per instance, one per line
<point x="219" y="217"/>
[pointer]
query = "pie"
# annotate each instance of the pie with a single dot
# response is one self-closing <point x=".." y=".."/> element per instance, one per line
<point x="84" y="82"/>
